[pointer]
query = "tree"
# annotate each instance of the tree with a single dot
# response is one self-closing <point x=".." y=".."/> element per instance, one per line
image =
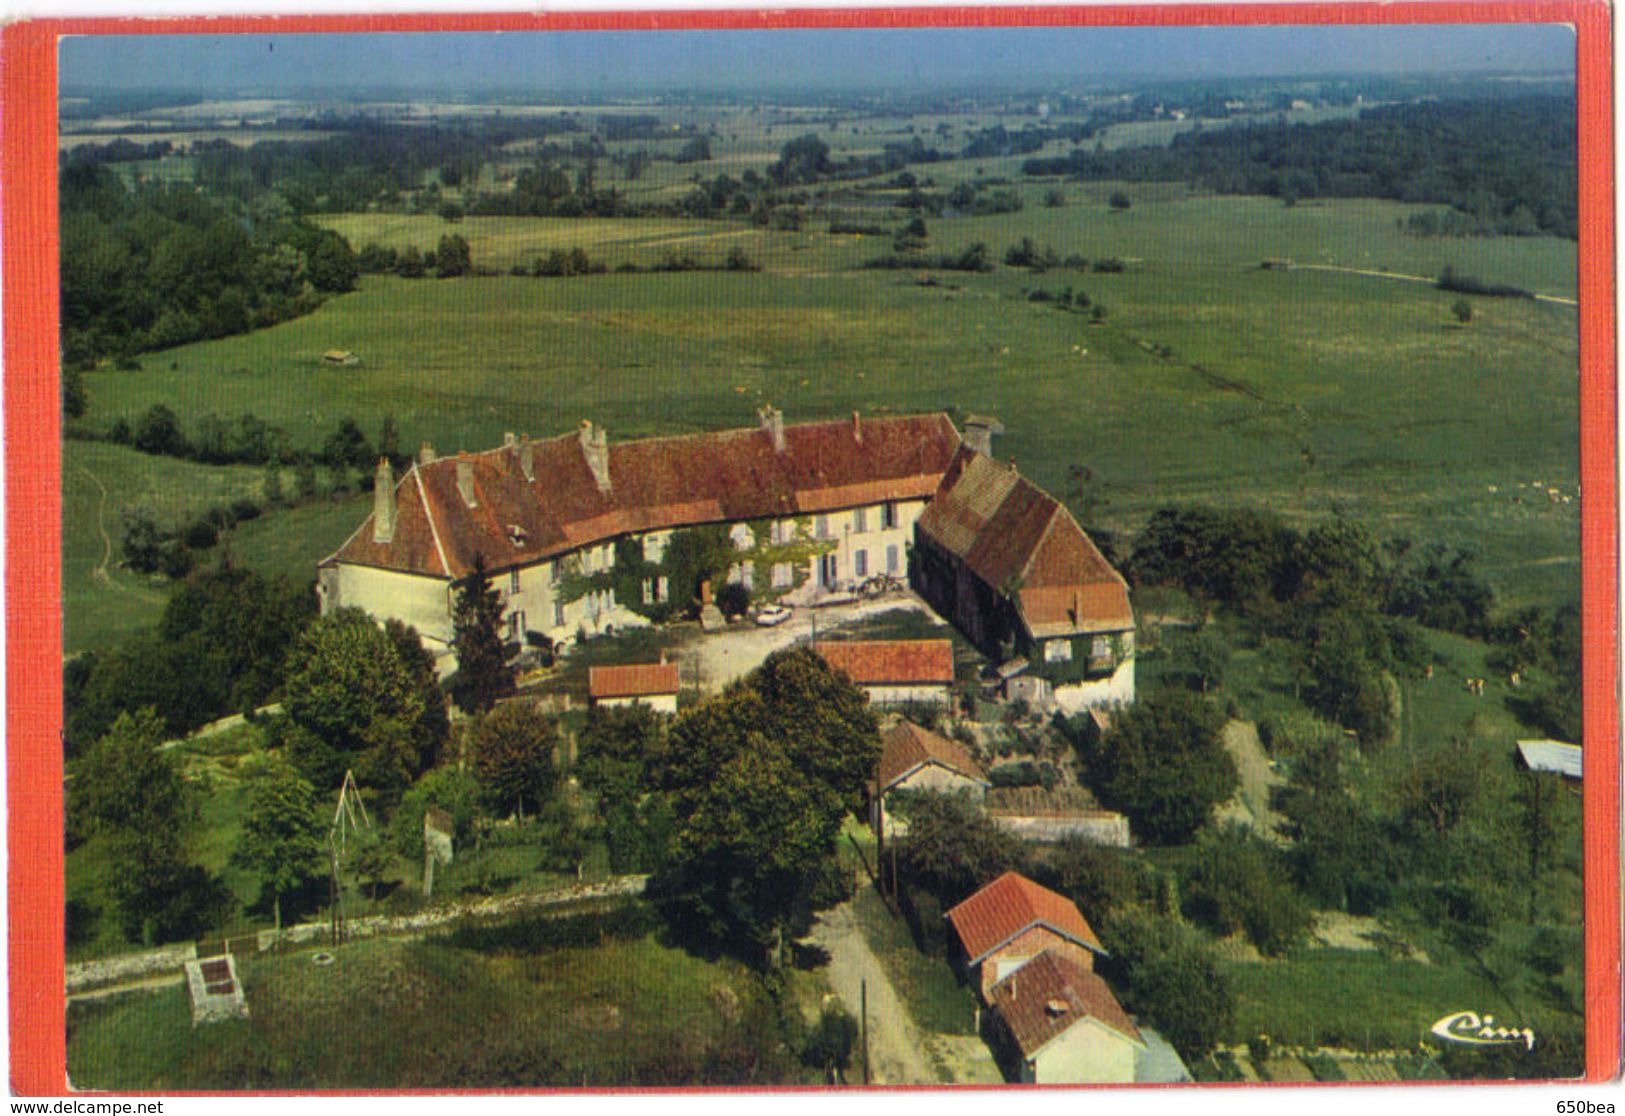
<point x="348" y="689"/>
<point x="1169" y="979"/>
<point x="1462" y="310"/>
<point x="759" y="778"/>
<point x="829" y="1044"/>
<point x="451" y="257"/>
<point x="1235" y="881"/>
<point x="620" y="758"/>
<point x="283" y="838"/>
<point x="159" y="432"/>
<point x="1099" y="878"/>
<point x="482" y="675"/>
<point x="143" y="544"/>
<point x="1120" y="200"/>
<point x="271" y="487"/>
<point x="130" y="791"/>
<point x="1162" y="764"/>
<point x="75" y="400"/>
<point x="456" y="792"/>
<point x="1437" y="788"/>
<point x="513" y="747"/>
<point x="952" y="848"/>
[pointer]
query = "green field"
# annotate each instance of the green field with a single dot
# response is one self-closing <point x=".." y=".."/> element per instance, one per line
<point x="1209" y="379"/>
<point x="401" y="1014"/>
<point x="103" y="603"/>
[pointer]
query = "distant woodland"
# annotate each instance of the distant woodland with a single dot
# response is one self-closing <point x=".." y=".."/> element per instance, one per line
<point x="1507" y="167"/>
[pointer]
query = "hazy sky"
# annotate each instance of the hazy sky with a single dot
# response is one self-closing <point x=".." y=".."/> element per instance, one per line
<point x="596" y="61"/>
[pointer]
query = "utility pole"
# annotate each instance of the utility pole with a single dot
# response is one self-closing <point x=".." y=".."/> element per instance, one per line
<point x="863" y="1011"/>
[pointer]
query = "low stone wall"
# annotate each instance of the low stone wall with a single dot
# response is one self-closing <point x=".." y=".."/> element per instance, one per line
<point x="1101" y="828"/>
<point x="129" y="967"/>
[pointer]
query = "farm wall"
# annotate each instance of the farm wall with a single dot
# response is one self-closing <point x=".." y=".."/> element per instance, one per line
<point x="660" y="703"/>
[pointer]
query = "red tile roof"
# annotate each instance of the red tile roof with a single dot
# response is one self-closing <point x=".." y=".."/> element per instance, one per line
<point x="896" y="662"/>
<point x="655" y="483"/>
<point x="1009" y="905"/>
<point x="1049" y="995"/>
<point x="635" y="680"/>
<point x="1011" y="533"/>
<point x="907" y="747"/>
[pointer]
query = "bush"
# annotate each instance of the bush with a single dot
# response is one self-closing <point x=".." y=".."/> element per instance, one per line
<point x="733" y="599"/>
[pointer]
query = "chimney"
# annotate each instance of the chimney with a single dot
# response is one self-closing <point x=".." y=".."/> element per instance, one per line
<point x="425" y="454"/>
<point x="595" y="447"/>
<point x="465" y="479"/>
<point x="1056" y="1008"/>
<point x="507" y="438"/>
<point x="383" y="503"/>
<point x="772" y="420"/>
<point x="857" y="428"/>
<point x="979" y="431"/>
<point x="527" y="458"/>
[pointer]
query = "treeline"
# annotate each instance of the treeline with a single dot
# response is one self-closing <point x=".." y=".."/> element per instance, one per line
<point x="218" y="649"/>
<point x="1510" y="166"/>
<point x="1346" y="605"/>
<point x="162" y="265"/>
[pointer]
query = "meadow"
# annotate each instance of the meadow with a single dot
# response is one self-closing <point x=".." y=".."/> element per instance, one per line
<point x="625" y="1011"/>
<point x="1209" y="379"/>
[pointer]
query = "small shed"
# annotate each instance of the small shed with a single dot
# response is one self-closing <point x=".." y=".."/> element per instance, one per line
<point x="896" y="671"/>
<point x="1061" y="1024"/>
<point x="914" y="758"/>
<point x="651" y="684"/>
<point x="1552" y="756"/>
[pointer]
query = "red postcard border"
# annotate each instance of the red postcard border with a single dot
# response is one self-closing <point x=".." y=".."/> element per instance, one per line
<point x="33" y="717"/>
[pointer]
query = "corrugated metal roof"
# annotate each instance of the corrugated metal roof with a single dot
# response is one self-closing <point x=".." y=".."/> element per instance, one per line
<point x="1552" y="755"/>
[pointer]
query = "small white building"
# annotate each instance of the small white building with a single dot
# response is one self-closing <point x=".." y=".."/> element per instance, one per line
<point x="916" y="759"/>
<point x="651" y="684"/>
<point x="896" y="671"/>
<point x="1059" y="1024"/>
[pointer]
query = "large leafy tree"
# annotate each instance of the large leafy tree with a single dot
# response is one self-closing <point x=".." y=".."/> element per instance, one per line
<point x="759" y="778"/>
<point x="1162" y="764"/>
<point x="513" y="748"/>
<point x="354" y="701"/>
<point x="483" y="675"/>
<point x="621" y="753"/>
<point x="952" y="848"/>
<point x="133" y="794"/>
<point x="283" y="838"/>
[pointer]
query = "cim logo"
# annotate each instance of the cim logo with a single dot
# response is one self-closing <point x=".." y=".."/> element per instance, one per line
<point x="1470" y="1028"/>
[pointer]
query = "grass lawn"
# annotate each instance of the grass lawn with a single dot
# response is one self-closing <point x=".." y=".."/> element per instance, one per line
<point x="405" y="1014"/>
<point x="1361" y="1000"/>
<point x="934" y="996"/>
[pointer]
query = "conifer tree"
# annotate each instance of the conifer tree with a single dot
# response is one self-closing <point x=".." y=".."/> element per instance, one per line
<point x="482" y="673"/>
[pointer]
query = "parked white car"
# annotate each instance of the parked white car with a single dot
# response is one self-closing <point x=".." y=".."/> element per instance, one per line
<point x="772" y="616"/>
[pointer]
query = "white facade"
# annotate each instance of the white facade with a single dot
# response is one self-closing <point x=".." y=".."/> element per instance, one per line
<point x="938" y="695"/>
<point x="873" y="538"/>
<point x="1115" y="689"/>
<point x="1087" y="1053"/>
<point x="660" y="703"/>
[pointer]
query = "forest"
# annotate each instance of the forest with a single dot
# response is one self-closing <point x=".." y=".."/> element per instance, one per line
<point x="1509" y="165"/>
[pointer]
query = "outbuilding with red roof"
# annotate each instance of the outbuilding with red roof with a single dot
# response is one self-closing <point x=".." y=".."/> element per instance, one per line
<point x="651" y="684"/>
<point x="896" y="671"/>
<point x="1012" y="920"/>
<point x="1009" y="565"/>
<point x="1056" y="1022"/>
<point x="916" y="759"/>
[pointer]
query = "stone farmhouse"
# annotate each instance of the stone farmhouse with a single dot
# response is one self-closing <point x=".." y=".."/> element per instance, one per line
<point x="582" y="538"/>
<point x="1007" y="563"/>
<point x="575" y="532"/>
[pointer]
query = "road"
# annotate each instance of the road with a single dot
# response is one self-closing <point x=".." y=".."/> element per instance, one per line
<point x="896" y="1047"/>
<point x="1417" y="279"/>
